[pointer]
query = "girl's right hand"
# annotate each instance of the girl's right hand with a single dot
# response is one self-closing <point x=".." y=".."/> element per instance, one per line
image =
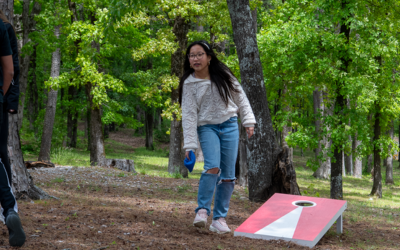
<point x="187" y="155"/>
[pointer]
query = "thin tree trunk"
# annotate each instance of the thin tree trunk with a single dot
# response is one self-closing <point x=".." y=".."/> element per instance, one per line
<point x="22" y="183"/>
<point x="29" y="24"/>
<point x="139" y="118"/>
<point x="336" y="171"/>
<point x="242" y="156"/>
<point x="96" y="138"/>
<point x="44" y="154"/>
<point x="388" y="161"/>
<point x="149" y="130"/>
<point x="377" y="176"/>
<point x="72" y="118"/>
<point x="33" y="97"/>
<point x="377" y="186"/>
<point x="286" y="128"/>
<point x="322" y="109"/>
<point x="357" y="159"/>
<point x="349" y="157"/>
<point x="261" y="148"/>
<point x="176" y="153"/>
<point x="370" y="163"/>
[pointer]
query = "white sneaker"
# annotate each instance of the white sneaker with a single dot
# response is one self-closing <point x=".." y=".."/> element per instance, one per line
<point x="219" y="226"/>
<point x="201" y="218"/>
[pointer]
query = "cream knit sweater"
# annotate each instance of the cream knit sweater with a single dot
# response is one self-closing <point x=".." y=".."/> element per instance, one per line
<point x="202" y="104"/>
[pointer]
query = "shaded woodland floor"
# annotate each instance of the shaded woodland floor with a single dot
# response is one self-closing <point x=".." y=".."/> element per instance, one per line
<point x="101" y="208"/>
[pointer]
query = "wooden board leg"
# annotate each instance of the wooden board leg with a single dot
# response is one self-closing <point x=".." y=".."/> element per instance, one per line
<point x="339" y="224"/>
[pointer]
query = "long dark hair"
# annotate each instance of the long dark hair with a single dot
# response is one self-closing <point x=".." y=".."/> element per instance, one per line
<point x="220" y="74"/>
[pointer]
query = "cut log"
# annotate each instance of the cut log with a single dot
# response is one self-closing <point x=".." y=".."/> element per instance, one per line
<point x="122" y="164"/>
<point x="39" y="164"/>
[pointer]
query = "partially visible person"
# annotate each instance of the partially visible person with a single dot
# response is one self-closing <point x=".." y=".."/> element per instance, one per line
<point x="8" y="57"/>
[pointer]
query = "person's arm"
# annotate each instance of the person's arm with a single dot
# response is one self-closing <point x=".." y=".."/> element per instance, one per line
<point x="245" y="110"/>
<point x="8" y="71"/>
<point x="189" y="118"/>
<point x="12" y="101"/>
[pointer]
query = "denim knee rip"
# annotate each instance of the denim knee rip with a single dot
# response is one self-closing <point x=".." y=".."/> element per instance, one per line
<point x="205" y="171"/>
<point x="227" y="180"/>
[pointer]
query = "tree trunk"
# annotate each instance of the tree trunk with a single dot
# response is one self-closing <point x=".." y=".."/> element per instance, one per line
<point x="22" y="183"/>
<point x="44" y="154"/>
<point x="139" y="118"/>
<point x="377" y="186"/>
<point x="176" y="153"/>
<point x="398" y="155"/>
<point x="106" y="131"/>
<point x="322" y="109"/>
<point x="286" y="128"/>
<point x="336" y="171"/>
<point x="349" y="157"/>
<point x="96" y="138"/>
<point x="149" y="130"/>
<point x="72" y="118"/>
<point x="33" y="96"/>
<point x="357" y="159"/>
<point x="7" y="6"/>
<point x="261" y="148"/>
<point x="370" y="163"/>
<point x="388" y="161"/>
<point x="242" y="158"/>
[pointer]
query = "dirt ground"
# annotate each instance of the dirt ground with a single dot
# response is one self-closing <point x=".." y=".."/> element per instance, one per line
<point x="100" y="208"/>
<point x="103" y="208"/>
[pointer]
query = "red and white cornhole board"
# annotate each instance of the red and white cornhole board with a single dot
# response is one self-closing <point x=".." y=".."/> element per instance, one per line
<point x="284" y="217"/>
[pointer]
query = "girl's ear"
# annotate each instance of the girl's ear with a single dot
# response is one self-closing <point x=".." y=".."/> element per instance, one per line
<point x="209" y="58"/>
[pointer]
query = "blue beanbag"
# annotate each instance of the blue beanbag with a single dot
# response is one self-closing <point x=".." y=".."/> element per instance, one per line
<point x="189" y="164"/>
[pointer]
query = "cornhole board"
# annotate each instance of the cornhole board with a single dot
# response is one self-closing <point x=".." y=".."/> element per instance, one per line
<point x="299" y="219"/>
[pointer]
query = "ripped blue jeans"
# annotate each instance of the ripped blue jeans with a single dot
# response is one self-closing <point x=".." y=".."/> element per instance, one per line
<point x="219" y="143"/>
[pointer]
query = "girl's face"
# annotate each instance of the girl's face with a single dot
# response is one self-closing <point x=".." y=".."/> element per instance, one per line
<point x="198" y="58"/>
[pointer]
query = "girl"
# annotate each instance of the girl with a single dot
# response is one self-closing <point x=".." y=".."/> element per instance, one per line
<point x="211" y="97"/>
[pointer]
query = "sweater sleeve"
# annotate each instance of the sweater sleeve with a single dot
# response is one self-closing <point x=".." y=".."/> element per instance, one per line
<point x="189" y="117"/>
<point x="245" y="110"/>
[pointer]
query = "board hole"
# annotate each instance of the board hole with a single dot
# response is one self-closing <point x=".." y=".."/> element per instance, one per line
<point x="304" y="204"/>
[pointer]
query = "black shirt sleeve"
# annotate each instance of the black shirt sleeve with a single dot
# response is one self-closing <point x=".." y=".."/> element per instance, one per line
<point x="5" y="48"/>
<point x="12" y="96"/>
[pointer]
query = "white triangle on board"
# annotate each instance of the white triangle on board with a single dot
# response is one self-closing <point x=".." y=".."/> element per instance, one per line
<point x="284" y="226"/>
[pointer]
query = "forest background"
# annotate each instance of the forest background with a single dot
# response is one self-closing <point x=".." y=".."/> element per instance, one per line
<point x="95" y="74"/>
<point x="110" y="64"/>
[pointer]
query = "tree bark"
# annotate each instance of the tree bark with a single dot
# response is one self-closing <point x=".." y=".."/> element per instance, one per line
<point x="29" y="24"/>
<point x="33" y="96"/>
<point x="139" y="118"/>
<point x="149" y="130"/>
<point x="357" y="159"/>
<point x="7" y="6"/>
<point x="322" y="109"/>
<point x="377" y="186"/>
<point x="44" y="154"/>
<point x="242" y="158"/>
<point x="336" y="171"/>
<point x="22" y="183"/>
<point x="72" y="118"/>
<point x="388" y="161"/>
<point x="261" y="148"/>
<point x="176" y="153"/>
<point x="95" y="125"/>
<point x="349" y="157"/>
<point x="370" y="163"/>
<point x="286" y="128"/>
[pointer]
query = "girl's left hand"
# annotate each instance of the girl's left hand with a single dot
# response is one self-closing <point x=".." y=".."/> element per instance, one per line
<point x="250" y="131"/>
